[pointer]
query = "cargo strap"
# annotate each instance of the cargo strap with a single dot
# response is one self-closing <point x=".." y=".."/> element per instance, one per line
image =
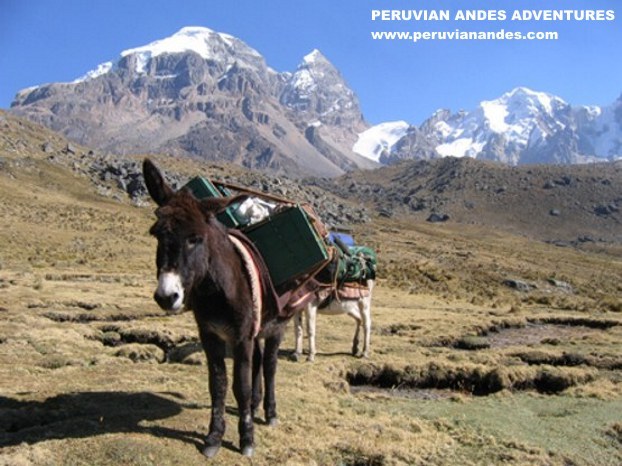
<point x="252" y="271"/>
<point x="326" y="294"/>
<point x="338" y="290"/>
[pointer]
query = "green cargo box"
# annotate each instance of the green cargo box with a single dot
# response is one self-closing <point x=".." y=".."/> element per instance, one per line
<point x="288" y="244"/>
<point x="202" y="188"/>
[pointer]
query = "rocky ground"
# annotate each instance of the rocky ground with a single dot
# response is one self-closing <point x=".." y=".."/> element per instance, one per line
<point x="565" y="204"/>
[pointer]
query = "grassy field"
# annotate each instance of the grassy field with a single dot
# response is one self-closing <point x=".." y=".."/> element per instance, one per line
<point x="486" y="348"/>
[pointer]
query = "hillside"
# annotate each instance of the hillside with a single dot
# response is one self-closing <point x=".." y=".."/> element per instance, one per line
<point x="119" y="177"/>
<point x="561" y="204"/>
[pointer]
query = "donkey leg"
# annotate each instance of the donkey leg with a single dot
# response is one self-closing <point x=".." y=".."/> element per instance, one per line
<point x="299" y="336"/>
<point x="357" y="332"/>
<point x="269" y="373"/>
<point x="257" y="377"/>
<point x="215" y="352"/>
<point x="242" y="373"/>
<point x="311" y="313"/>
<point x="365" y="306"/>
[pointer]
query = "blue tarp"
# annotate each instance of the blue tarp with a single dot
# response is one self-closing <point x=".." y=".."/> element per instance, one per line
<point x="346" y="239"/>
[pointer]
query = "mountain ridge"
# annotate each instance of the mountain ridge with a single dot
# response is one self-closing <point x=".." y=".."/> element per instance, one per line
<point x="209" y="95"/>
<point x="520" y="127"/>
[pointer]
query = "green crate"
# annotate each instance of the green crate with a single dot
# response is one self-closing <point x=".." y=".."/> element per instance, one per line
<point x="202" y="188"/>
<point x="288" y="243"/>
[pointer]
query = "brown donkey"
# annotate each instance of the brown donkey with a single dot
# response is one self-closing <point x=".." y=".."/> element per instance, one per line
<point x="199" y="267"/>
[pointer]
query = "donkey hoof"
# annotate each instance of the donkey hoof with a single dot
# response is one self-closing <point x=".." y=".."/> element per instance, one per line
<point x="295" y="357"/>
<point x="248" y="451"/>
<point x="210" y="452"/>
<point x="311" y="358"/>
<point x="272" y="421"/>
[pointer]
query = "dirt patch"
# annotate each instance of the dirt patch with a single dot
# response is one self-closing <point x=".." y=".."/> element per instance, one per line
<point x="548" y="331"/>
<point x="85" y="318"/>
<point x="353" y="456"/>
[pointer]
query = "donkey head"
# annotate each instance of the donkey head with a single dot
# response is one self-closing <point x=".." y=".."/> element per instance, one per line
<point x="186" y="230"/>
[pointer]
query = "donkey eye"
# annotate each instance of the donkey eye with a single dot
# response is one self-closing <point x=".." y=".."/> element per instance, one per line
<point x="194" y="241"/>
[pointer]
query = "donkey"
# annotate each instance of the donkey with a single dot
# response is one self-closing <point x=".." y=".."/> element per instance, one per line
<point x="200" y="267"/>
<point x="358" y="308"/>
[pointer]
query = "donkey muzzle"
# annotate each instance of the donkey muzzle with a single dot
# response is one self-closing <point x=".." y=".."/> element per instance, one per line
<point x="170" y="293"/>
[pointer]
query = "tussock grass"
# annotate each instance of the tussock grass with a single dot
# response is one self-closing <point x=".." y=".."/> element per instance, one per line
<point x="91" y="372"/>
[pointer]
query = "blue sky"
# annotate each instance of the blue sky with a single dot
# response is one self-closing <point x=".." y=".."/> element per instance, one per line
<point x="59" y="40"/>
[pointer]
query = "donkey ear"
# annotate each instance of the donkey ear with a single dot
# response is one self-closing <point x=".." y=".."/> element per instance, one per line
<point x="216" y="205"/>
<point x="159" y="191"/>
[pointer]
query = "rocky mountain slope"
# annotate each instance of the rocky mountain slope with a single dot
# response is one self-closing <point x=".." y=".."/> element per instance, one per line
<point x="119" y="177"/>
<point x="520" y="127"/>
<point x="211" y="96"/>
<point x="562" y="204"/>
<point x="567" y="205"/>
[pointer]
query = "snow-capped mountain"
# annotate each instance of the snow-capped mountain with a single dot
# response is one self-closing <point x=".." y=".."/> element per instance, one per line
<point x="208" y="44"/>
<point x="503" y="128"/>
<point x="318" y="89"/>
<point x="210" y="95"/>
<point x="317" y="93"/>
<point x="601" y="130"/>
<point x="522" y="126"/>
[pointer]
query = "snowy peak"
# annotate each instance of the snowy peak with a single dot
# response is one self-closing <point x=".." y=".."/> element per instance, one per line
<point x="313" y="58"/>
<point x="602" y="129"/>
<point x="504" y="127"/>
<point x="101" y="69"/>
<point x="207" y="94"/>
<point x="519" y="105"/>
<point x="534" y="99"/>
<point x="521" y="126"/>
<point x="188" y="39"/>
<point x="517" y="113"/>
<point x="317" y="89"/>
<point x="200" y="40"/>
<point x="312" y="72"/>
<point x="208" y="44"/>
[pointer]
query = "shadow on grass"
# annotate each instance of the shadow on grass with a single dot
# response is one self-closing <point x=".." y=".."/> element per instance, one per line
<point x="80" y="415"/>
